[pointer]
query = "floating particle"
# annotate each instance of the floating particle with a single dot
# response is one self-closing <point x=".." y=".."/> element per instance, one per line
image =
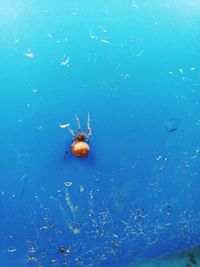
<point x="64" y="250"/>
<point x="75" y="230"/>
<point x="65" y="61"/>
<point x="181" y="71"/>
<point x="68" y="184"/>
<point x="92" y="36"/>
<point x="159" y="157"/>
<point x="104" y="41"/>
<point x="140" y="53"/>
<point x="172" y="125"/>
<point x="11" y="249"/>
<point x="34" y="90"/>
<point x="135" y="5"/>
<point x="49" y="35"/>
<point x="81" y="189"/>
<point x="65" y="125"/>
<point x="29" y="53"/>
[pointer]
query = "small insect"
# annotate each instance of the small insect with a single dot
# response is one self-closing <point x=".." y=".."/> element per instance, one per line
<point x="80" y="146"/>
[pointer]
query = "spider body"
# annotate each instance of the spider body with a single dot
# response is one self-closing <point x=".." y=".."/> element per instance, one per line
<point x="80" y="147"/>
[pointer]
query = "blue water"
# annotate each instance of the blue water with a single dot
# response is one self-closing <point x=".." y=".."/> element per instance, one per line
<point x="134" y="65"/>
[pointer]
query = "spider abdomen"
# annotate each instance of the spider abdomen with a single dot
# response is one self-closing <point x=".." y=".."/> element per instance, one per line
<point x="80" y="148"/>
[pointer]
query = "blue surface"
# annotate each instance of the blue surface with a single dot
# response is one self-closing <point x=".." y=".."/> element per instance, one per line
<point x="134" y="65"/>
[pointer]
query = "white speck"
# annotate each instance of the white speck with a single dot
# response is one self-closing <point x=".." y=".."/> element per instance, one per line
<point x="40" y="127"/>
<point x="192" y="69"/>
<point x="11" y="249"/>
<point x="104" y="41"/>
<point x="65" y="62"/>
<point x="43" y="227"/>
<point x="140" y="53"/>
<point x="159" y="157"/>
<point x="34" y="90"/>
<point x="181" y="71"/>
<point x="170" y="72"/>
<point x="68" y="184"/>
<point x="92" y="36"/>
<point x="81" y="189"/>
<point x="49" y="35"/>
<point x="29" y="53"/>
<point x="64" y="125"/>
<point x="135" y="5"/>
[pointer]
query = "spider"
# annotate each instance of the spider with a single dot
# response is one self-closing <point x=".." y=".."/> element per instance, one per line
<point x="80" y="147"/>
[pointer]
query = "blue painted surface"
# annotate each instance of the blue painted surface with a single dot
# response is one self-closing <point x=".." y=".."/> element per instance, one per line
<point x="135" y="67"/>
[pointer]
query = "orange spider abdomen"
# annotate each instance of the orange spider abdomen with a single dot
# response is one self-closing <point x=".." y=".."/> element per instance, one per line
<point x="80" y="148"/>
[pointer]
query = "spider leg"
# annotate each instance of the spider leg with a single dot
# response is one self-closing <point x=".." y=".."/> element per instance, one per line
<point x="66" y="153"/>
<point x="88" y="127"/>
<point x="71" y="132"/>
<point x="78" y="123"/>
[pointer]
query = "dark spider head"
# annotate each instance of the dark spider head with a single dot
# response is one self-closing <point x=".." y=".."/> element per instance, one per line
<point x="81" y="137"/>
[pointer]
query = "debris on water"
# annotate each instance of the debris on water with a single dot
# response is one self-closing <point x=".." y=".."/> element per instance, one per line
<point x="160" y="157"/>
<point x="104" y="41"/>
<point x="75" y="228"/>
<point x="49" y="35"/>
<point x="81" y="189"/>
<point x="11" y="249"/>
<point x="24" y="180"/>
<point x="34" y="90"/>
<point x="169" y="209"/>
<point x="29" y="53"/>
<point x="65" y="62"/>
<point x="172" y="125"/>
<point x="68" y="184"/>
<point x="64" y="125"/>
<point x="64" y="250"/>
